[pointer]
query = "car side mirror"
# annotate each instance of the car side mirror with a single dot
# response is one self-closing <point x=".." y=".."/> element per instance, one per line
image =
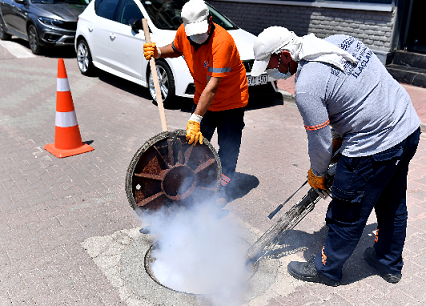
<point x="136" y="26"/>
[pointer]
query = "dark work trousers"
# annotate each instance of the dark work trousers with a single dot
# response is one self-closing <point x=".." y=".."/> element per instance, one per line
<point x="361" y="184"/>
<point x="229" y="125"/>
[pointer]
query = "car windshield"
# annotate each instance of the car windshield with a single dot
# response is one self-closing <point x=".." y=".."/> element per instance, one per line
<point x="84" y="2"/>
<point x="165" y="14"/>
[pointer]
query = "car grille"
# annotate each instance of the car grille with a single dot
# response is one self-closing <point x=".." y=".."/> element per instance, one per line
<point x="68" y="26"/>
<point x="248" y="64"/>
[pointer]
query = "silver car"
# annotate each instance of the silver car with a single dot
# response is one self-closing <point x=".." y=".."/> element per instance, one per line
<point x="41" y="22"/>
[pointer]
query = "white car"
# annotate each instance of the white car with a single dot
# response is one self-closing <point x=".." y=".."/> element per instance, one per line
<point x="110" y="37"/>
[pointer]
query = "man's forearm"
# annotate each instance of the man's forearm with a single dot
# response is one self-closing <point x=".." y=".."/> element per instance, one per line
<point x="320" y="150"/>
<point x="207" y="96"/>
<point x="204" y="103"/>
<point x="168" y="52"/>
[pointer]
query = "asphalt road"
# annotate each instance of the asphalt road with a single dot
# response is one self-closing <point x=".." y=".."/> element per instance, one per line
<point x="69" y="236"/>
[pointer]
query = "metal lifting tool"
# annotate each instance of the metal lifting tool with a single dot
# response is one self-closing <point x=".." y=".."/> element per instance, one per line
<point x="291" y="218"/>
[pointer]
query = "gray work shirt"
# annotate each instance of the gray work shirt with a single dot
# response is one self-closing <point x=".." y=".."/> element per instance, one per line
<point x="364" y="104"/>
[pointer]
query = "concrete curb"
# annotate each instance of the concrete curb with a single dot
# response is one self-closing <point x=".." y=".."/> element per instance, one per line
<point x="289" y="98"/>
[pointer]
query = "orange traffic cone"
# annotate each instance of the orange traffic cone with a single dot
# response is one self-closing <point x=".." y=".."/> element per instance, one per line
<point x="67" y="134"/>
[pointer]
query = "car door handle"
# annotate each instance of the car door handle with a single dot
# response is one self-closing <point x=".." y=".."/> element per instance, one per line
<point x="112" y="35"/>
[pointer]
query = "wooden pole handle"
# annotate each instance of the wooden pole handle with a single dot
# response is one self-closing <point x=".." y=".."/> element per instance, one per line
<point x="155" y="77"/>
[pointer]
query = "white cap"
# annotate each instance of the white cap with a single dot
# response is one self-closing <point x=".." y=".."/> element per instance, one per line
<point x="194" y="16"/>
<point x="270" y="41"/>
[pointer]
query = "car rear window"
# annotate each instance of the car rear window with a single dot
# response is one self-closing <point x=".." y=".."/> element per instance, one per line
<point x="165" y="14"/>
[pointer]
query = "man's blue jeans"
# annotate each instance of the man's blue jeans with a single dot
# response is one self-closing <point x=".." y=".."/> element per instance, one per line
<point x="361" y="184"/>
<point x="229" y="125"/>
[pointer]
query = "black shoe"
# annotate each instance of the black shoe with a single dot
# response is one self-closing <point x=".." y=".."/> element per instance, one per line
<point x="306" y="271"/>
<point x="371" y="258"/>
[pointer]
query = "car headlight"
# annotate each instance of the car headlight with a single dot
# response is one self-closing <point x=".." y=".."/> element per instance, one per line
<point x="50" y="21"/>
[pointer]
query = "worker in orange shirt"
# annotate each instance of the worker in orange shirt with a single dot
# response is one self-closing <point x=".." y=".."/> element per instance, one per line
<point x="221" y="89"/>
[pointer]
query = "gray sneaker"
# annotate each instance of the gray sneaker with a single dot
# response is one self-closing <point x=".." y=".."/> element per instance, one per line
<point x="371" y="258"/>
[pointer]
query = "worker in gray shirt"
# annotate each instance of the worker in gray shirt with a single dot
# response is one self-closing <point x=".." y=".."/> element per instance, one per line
<point x="347" y="98"/>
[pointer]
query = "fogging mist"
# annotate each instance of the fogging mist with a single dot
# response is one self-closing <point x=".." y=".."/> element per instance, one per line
<point x="198" y="253"/>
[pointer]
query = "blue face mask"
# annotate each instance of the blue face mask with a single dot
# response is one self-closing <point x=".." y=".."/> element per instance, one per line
<point x="276" y="74"/>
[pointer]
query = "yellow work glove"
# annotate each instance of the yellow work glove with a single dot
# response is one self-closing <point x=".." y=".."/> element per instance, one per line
<point x="150" y="50"/>
<point x="193" y="134"/>
<point x="316" y="182"/>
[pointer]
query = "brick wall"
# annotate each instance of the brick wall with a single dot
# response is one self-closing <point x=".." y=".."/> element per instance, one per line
<point x="374" y="28"/>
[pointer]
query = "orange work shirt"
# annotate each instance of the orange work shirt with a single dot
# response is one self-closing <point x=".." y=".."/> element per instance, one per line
<point x="219" y="57"/>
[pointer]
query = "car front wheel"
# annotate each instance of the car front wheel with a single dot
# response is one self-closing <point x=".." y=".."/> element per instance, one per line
<point x="3" y="34"/>
<point x="84" y="58"/>
<point x="167" y="83"/>
<point x="34" y="40"/>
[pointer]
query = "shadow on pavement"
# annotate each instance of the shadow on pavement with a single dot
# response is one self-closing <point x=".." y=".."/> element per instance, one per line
<point x="355" y="268"/>
<point x="184" y="104"/>
<point x="240" y="185"/>
<point x="89" y="142"/>
<point x="122" y="84"/>
<point x="51" y="52"/>
<point x="257" y="102"/>
<point x="21" y="42"/>
<point x="59" y="52"/>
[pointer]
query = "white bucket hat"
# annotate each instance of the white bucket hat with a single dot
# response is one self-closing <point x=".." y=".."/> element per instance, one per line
<point x="194" y="16"/>
<point x="270" y="41"/>
<point x="309" y="48"/>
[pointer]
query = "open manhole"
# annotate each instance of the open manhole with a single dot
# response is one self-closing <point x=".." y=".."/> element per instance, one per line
<point x="136" y="273"/>
<point x="150" y="261"/>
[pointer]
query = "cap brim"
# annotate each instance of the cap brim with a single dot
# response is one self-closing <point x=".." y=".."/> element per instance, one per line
<point x="196" y="28"/>
<point x="259" y="66"/>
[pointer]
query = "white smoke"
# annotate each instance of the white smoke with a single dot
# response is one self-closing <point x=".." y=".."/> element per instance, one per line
<point x="199" y="253"/>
